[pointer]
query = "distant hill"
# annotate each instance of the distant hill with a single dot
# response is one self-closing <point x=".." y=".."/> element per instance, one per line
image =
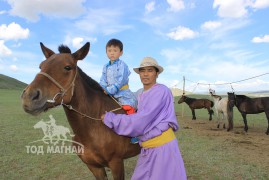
<point x="10" y="83"/>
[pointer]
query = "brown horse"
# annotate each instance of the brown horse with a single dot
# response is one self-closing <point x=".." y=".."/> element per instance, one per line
<point x="197" y="104"/>
<point x="61" y="82"/>
<point x="247" y="105"/>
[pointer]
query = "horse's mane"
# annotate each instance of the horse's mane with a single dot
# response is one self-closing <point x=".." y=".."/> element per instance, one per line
<point x="217" y="96"/>
<point x="189" y="99"/>
<point x="64" y="49"/>
<point x="88" y="80"/>
<point x="243" y="96"/>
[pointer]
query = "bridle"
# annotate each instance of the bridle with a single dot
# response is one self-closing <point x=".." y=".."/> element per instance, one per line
<point x="63" y="92"/>
<point x="62" y="89"/>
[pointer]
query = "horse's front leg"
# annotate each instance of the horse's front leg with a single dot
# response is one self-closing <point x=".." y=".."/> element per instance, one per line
<point x="230" y="118"/>
<point x="193" y="114"/>
<point x="57" y="139"/>
<point x="225" y="120"/>
<point x="267" y="116"/>
<point x="117" y="168"/>
<point x="218" y="119"/>
<point x="44" y="139"/>
<point x="210" y="113"/>
<point x="98" y="172"/>
<point x="244" y="115"/>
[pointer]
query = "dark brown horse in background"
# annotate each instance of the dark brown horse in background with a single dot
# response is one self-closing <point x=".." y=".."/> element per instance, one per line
<point x="61" y="82"/>
<point x="247" y="105"/>
<point x="197" y="104"/>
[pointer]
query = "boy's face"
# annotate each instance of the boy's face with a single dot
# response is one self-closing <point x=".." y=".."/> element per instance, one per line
<point x="113" y="52"/>
<point x="148" y="76"/>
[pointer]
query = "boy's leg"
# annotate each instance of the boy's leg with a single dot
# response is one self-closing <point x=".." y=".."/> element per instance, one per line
<point x="130" y="110"/>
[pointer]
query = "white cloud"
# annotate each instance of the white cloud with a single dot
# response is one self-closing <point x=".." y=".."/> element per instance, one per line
<point x="260" y="4"/>
<point x="225" y="29"/>
<point x="4" y="51"/>
<point x="2" y="12"/>
<point x="231" y="8"/>
<point x="181" y="33"/>
<point x="31" y="9"/>
<point x="238" y="8"/>
<point x="13" y="67"/>
<point x="13" y="31"/>
<point x="77" y="42"/>
<point x="150" y="7"/>
<point x="263" y="39"/>
<point x="211" y="25"/>
<point x="175" y="5"/>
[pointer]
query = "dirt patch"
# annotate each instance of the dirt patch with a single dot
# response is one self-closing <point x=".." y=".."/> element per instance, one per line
<point x="252" y="146"/>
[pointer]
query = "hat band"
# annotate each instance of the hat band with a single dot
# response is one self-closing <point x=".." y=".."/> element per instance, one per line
<point x="148" y="64"/>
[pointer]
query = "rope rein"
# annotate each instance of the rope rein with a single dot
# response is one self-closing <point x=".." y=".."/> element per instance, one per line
<point x="63" y="91"/>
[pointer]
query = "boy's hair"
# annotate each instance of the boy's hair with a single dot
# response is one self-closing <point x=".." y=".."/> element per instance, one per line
<point x="115" y="42"/>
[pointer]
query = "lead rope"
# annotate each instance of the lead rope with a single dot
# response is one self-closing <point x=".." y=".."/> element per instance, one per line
<point x="85" y="115"/>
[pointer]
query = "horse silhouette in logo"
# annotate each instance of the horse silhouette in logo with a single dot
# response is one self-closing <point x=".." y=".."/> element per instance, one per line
<point x="52" y="131"/>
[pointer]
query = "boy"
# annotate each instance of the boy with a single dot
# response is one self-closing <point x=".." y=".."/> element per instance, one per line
<point x="115" y="77"/>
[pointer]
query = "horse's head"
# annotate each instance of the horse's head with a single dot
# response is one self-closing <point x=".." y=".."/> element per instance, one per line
<point x="40" y="124"/>
<point x="182" y="99"/>
<point x="54" y="84"/>
<point x="231" y="99"/>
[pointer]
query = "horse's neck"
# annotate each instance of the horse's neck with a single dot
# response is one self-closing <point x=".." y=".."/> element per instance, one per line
<point x="189" y="100"/>
<point x="44" y="128"/>
<point x="87" y="102"/>
<point x="216" y="98"/>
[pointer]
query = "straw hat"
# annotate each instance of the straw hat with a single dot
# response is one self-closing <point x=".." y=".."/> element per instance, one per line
<point x="149" y="61"/>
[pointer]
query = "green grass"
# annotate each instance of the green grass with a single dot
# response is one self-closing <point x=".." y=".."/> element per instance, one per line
<point x="205" y="157"/>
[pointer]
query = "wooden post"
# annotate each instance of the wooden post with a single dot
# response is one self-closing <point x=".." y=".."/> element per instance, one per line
<point x="183" y="93"/>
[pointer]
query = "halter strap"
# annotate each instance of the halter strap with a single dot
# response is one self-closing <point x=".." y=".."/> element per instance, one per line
<point x="53" y="80"/>
<point x="62" y="89"/>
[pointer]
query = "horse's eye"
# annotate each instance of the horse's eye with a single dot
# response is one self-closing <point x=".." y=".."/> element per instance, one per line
<point x="68" y="68"/>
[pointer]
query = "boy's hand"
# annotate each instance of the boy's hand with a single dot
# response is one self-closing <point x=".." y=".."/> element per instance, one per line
<point x="102" y="117"/>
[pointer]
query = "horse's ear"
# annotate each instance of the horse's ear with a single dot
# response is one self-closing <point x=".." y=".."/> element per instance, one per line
<point x="82" y="52"/>
<point x="46" y="51"/>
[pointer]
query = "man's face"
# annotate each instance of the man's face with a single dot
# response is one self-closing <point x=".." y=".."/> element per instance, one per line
<point x="148" y="76"/>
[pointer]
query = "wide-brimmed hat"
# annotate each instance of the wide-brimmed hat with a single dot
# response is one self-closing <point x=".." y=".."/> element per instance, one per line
<point x="149" y="61"/>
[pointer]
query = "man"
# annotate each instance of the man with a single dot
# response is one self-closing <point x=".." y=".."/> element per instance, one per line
<point x="154" y="124"/>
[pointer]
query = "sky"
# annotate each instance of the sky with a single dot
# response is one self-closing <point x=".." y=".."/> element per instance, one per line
<point x="215" y="44"/>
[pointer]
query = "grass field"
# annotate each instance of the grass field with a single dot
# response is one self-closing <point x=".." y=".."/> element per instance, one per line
<point x="208" y="153"/>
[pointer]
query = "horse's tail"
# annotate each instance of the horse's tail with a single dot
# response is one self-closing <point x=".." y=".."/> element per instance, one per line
<point x="70" y="134"/>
